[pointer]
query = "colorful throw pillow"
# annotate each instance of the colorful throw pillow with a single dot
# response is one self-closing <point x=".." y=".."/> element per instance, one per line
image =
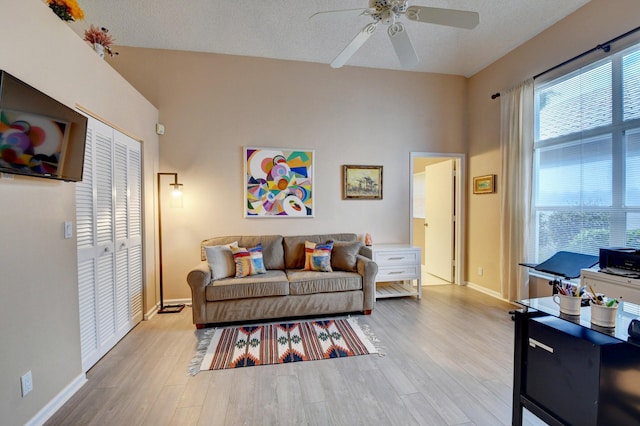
<point x="248" y="261"/>
<point x="220" y="260"/>
<point x="309" y="247"/>
<point x="321" y="257"/>
<point x="257" y="262"/>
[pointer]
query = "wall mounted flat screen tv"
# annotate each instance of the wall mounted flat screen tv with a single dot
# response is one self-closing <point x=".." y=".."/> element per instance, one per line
<point x="39" y="136"/>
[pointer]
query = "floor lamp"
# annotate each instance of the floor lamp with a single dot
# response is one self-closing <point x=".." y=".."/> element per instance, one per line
<point x="175" y="194"/>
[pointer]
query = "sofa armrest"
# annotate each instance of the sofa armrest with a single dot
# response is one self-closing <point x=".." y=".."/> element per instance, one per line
<point x="368" y="269"/>
<point x="198" y="278"/>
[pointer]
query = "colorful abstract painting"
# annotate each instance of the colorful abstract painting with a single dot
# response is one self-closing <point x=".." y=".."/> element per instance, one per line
<point x="31" y="143"/>
<point x="278" y="182"/>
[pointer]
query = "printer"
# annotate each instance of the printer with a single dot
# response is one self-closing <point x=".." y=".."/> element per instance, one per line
<point x="620" y="261"/>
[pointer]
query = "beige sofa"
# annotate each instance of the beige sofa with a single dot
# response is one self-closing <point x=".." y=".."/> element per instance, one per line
<point x="285" y="290"/>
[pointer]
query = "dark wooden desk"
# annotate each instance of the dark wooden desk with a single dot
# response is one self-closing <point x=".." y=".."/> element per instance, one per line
<point x="569" y="372"/>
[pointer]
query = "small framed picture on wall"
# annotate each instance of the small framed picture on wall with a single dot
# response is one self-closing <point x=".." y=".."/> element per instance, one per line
<point x="484" y="184"/>
<point x="362" y="182"/>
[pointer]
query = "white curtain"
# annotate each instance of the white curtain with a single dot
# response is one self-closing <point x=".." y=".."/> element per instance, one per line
<point x="516" y="144"/>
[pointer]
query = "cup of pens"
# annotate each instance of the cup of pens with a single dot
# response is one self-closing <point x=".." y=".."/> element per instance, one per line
<point x="603" y="311"/>
<point x="569" y="305"/>
<point x="569" y="299"/>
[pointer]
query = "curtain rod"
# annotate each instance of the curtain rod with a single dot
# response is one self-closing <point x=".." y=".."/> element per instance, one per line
<point x="606" y="47"/>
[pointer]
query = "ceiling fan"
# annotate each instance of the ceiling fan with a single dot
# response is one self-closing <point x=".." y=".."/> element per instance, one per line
<point x="389" y="12"/>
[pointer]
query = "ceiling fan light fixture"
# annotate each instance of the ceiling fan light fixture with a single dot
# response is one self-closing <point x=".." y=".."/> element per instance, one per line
<point x="389" y="12"/>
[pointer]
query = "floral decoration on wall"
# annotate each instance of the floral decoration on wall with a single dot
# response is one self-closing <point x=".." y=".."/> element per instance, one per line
<point x="101" y="37"/>
<point x="67" y="10"/>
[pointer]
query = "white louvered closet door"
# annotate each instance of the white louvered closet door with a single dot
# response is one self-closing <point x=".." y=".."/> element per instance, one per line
<point x="109" y="240"/>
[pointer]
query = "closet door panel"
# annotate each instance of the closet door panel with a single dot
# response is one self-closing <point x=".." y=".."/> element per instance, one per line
<point x="109" y="235"/>
<point x="123" y="314"/>
<point x="90" y="353"/>
<point x="86" y="241"/>
<point x="135" y="230"/>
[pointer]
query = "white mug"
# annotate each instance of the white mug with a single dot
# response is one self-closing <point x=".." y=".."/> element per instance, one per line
<point x="569" y="305"/>
<point x="603" y="315"/>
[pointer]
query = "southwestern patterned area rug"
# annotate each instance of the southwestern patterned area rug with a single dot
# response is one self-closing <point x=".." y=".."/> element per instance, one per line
<point x="278" y="343"/>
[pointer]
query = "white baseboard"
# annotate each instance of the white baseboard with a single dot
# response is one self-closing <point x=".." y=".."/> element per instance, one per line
<point x="150" y="314"/>
<point x="485" y="290"/>
<point x="58" y="401"/>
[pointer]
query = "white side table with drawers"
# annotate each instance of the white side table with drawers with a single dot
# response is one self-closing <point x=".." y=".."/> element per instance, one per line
<point x="398" y="268"/>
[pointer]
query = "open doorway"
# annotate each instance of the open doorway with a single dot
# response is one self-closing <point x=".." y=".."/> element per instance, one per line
<point x="437" y="215"/>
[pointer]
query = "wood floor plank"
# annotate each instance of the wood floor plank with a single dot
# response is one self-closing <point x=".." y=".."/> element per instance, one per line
<point x="290" y="408"/>
<point x="165" y="405"/>
<point x="420" y="409"/>
<point x="186" y="416"/>
<point x="445" y="360"/>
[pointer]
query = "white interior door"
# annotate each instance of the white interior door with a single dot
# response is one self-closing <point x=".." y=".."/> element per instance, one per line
<point x="440" y="219"/>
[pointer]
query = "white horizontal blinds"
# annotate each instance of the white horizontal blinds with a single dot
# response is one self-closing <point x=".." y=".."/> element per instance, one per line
<point x="632" y="186"/>
<point x="585" y="171"/>
<point x="574" y="103"/>
<point x="631" y="85"/>
<point x="631" y="108"/>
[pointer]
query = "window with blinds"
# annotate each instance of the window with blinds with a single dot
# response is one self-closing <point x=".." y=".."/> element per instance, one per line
<point x="586" y="188"/>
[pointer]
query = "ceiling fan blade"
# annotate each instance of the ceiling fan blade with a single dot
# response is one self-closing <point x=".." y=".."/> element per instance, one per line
<point x="402" y="45"/>
<point x="448" y="17"/>
<point x="362" y="11"/>
<point x="353" y="47"/>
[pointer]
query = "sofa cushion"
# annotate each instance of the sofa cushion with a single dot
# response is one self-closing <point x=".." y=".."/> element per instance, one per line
<point x="272" y="249"/>
<point x="220" y="260"/>
<point x="272" y="283"/>
<point x="311" y="282"/>
<point x="294" y="247"/>
<point x="344" y="255"/>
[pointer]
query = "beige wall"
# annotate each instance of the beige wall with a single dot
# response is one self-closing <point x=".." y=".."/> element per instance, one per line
<point x="38" y="272"/>
<point x="213" y="105"/>
<point x="595" y="23"/>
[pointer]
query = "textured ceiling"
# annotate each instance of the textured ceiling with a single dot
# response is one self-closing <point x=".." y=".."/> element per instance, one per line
<point x="281" y="29"/>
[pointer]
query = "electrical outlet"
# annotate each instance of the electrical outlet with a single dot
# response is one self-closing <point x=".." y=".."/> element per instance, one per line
<point x="27" y="383"/>
<point x="480" y="271"/>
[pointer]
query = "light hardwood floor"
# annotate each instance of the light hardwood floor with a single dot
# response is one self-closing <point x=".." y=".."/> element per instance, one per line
<point x="448" y="361"/>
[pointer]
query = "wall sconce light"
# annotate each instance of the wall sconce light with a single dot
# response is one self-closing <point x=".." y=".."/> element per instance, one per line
<point x="176" y="201"/>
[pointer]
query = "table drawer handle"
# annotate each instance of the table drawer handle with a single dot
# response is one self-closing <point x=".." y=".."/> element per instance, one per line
<point x="396" y="258"/>
<point x="534" y="343"/>
<point x="395" y="272"/>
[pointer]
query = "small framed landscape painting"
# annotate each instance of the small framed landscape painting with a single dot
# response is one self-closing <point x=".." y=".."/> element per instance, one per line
<point x="278" y="183"/>
<point x="362" y="182"/>
<point x="484" y="184"/>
